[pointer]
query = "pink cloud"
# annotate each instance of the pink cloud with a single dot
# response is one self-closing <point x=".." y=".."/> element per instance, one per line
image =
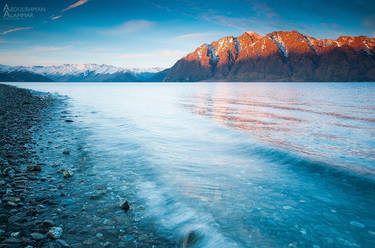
<point x="74" y="5"/>
<point x="15" y="29"/>
<point x="56" y="17"/>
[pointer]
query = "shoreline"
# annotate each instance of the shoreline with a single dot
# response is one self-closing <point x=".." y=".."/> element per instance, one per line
<point x="20" y="113"/>
<point x="49" y="197"/>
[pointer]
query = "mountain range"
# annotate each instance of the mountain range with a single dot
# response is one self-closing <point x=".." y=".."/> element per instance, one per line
<point x="278" y="56"/>
<point x="76" y="73"/>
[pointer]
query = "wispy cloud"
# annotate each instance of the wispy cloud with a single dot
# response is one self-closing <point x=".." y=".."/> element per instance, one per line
<point x="263" y="9"/>
<point x="4" y="41"/>
<point x="369" y="22"/>
<point x="56" y="17"/>
<point x="15" y="29"/>
<point x="253" y="23"/>
<point x="195" y="35"/>
<point x="75" y="5"/>
<point x="49" y="48"/>
<point x="131" y="26"/>
<point x="233" y="22"/>
<point x="156" y="54"/>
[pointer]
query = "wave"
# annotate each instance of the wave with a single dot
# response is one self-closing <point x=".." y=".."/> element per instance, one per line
<point x="355" y="174"/>
<point x="191" y="227"/>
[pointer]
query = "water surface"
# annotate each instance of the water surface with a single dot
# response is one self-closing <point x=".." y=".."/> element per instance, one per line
<point x="240" y="165"/>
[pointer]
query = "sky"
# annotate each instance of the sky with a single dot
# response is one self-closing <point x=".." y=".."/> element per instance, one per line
<point x="156" y="33"/>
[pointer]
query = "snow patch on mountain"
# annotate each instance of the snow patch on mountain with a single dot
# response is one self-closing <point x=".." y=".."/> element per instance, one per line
<point x="278" y="41"/>
<point x="310" y="45"/>
<point x="367" y="50"/>
<point x="211" y="52"/>
<point x="237" y="46"/>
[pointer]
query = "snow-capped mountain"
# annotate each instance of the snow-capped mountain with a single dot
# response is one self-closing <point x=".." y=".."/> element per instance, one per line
<point x="77" y="69"/>
<point x="278" y="56"/>
<point x="86" y="72"/>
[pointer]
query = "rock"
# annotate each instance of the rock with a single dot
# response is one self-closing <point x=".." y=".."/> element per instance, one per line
<point x="99" y="235"/>
<point x="88" y="242"/>
<point x="12" y="199"/>
<point x="38" y="236"/>
<point x="357" y="224"/>
<point x="125" y="206"/>
<point x="2" y="232"/>
<point x="105" y="244"/>
<point x="55" y="232"/>
<point x="67" y="173"/>
<point x="99" y="194"/>
<point x="68" y="120"/>
<point x="62" y="243"/>
<point x="3" y="218"/>
<point x="191" y="239"/>
<point x="66" y="152"/>
<point x="9" y="172"/>
<point x="48" y="223"/>
<point x="15" y="234"/>
<point x="12" y="204"/>
<point x="34" y="168"/>
<point x="12" y="241"/>
<point x="129" y="238"/>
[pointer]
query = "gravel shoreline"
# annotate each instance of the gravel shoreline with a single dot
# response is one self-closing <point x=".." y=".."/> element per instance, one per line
<point x="20" y="113"/>
<point x="47" y="196"/>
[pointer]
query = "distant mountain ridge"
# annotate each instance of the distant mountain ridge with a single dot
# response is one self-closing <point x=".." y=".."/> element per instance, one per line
<point x="76" y="73"/>
<point x="278" y="56"/>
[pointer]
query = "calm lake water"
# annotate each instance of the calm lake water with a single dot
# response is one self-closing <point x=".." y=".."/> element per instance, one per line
<point x="240" y="165"/>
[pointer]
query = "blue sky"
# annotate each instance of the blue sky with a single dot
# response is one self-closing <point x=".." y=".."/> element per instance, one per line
<point x="152" y="33"/>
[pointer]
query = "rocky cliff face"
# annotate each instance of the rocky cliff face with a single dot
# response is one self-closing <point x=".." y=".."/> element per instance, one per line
<point x="278" y="56"/>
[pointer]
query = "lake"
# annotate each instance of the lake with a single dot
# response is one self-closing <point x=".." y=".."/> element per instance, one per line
<point x="236" y="164"/>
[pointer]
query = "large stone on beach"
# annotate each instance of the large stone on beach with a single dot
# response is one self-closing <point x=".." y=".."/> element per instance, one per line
<point x="55" y="232"/>
<point x="12" y="240"/>
<point x="48" y="223"/>
<point x="125" y="206"/>
<point x="191" y="239"/>
<point x="38" y="236"/>
<point x="34" y="168"/>
<point x="9" y="172"/>
<point x="67" y="173"/>
<point x="12" y="199"/>
<point x="63" y="243"/>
